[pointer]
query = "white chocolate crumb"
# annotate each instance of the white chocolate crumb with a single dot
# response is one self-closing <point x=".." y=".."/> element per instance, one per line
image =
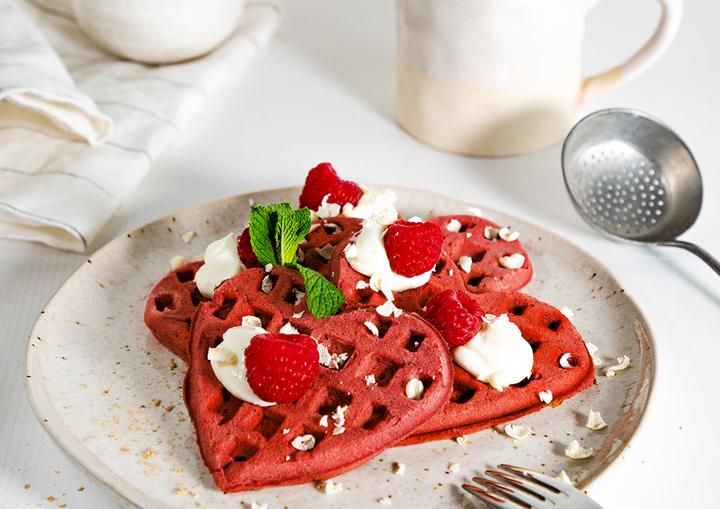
<point x="372" y="328"/>
<point x="258" y="505"/>
<point x="370" y="380"/>
<point x="251" y="321"/>
<point x="298" y="315"/>
<point x="514" y="261"/>
<point x="285" y="431"/>
<point x="508" y="234"/>
<point x="385" y="501"/>
<point x="563" y="477"/>
<point x="303" y="442"/>
<point x="454" y="225"/>
<point x="595" y="421"/>
<point x="188" y="236"/>
<point x="518" y="431"/>
<point x="266" y="285"/>
<point x="453" y="468"/>
<point x="577" y="452"/>
<point x="622" y="364"/>
<point x="268" y="268"/>
<point x="416" y="219"/>
<point x="545" y="396"/>
<point x="414" y="389"/>
<point x="461" y="440"/>
<point x="475" y="211"/>
<point x="592" y="350"/>
<point x="565" y="360"/>
<point x="398" y="468"/>
<point x="324" y="421"/>
<point x="465" y="263"/>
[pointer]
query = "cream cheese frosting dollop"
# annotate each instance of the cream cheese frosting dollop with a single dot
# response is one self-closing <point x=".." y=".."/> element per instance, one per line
<point x="377" y="204"/>
<point x="497" y="354"/>
<point x="228" y="362"/>
<point x="367" y="256"/>
<point x="222" y="262"/>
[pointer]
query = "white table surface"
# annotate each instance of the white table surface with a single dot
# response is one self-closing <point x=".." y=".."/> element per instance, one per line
<point x="324" y="91"/>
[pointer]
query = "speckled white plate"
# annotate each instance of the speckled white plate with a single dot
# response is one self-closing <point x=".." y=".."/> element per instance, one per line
<point x="110" y="395"/>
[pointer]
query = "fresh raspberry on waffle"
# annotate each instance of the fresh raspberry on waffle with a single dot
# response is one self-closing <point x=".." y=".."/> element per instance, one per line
<point x="358" y="293"/>
<point x="171" y="307"/>
<point x="245" y="251"/>
<point x="413" y="247"/>
<point x="474" y="245"/>
<point x="475" y="405"/>
<point x="246" y="446"/>
<point x="323" y="181"/>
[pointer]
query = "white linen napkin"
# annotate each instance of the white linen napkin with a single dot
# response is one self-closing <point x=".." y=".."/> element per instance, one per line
<point x="55" y="187"/>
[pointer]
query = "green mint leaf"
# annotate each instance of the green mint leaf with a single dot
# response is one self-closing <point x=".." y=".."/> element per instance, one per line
<point x="292" y="228"/>
<point x="263" y="223"/>
<point x="323" y="298"/>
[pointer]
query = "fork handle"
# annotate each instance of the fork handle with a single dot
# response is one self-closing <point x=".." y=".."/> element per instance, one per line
<point x="696" y="250"/>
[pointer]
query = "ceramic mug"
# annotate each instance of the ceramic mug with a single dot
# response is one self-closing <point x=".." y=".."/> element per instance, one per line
<point x="503" y="77"/>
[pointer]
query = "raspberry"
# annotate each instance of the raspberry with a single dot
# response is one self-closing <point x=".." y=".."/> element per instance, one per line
<point x="455" y="315"/>
<point x="413" y="248"/>
<point x="322" y="181"/>
<point x="244" y="248"/>
<point x="281" y="367"/>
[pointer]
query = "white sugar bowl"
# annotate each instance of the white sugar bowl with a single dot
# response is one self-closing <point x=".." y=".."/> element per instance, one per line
<point x="158" y="31"/>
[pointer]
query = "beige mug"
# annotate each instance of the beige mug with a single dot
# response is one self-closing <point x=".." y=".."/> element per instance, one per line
<point x="503" y="77"/>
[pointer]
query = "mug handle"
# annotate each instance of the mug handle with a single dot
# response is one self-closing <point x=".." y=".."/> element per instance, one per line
<point x="643" y="59"/>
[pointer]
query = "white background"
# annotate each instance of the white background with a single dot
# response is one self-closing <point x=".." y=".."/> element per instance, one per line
<point x="324" y="91"/>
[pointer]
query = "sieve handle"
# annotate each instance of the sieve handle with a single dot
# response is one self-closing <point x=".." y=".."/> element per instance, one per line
<point x="696" y="250"/>
<point x="643" y="59"/>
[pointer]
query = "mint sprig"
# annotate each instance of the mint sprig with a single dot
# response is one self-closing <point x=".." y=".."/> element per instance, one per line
<point x="276" y="231"/>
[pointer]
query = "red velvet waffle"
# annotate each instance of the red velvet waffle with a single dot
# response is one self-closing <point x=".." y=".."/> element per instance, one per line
<point x="475" y="405"/>
<point x="445" y="276"/>
<point x="330" y="231"/>
<point x="171" y="306"/>
<point x="486" y="273"/>
<point x="244" y="446"/>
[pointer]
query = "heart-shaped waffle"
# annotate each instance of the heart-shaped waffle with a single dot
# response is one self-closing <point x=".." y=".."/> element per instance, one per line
<point x="486" y="274"/>
<point x="249" y="447"/>
<point x="171" y="306"/>
<point x="445" y="276"/>
<point x="475" y="405"/>
<point x="320" y="242"/>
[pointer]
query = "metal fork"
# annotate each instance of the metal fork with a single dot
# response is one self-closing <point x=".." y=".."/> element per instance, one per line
<point x="512" y="487"/>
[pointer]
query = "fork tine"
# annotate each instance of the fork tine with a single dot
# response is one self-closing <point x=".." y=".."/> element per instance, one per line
<point x="490" y="498"/>
<point x="524" y="483"/>
<point x="523" y="496"/>
<point x="557" y="485"/>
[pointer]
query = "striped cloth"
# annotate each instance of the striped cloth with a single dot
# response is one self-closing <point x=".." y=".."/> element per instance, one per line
<point x="79" y="128"/>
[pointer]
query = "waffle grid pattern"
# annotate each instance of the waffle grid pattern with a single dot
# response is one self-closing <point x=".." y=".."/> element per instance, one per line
<point x="245" y="446"/>
<point x="486" y="274"/>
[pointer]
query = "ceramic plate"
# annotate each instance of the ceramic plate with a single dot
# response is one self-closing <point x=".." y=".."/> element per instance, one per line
<point x="110" y="395"/>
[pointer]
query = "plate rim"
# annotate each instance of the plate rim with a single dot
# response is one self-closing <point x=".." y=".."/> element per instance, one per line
<point x="124" y="493"/>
